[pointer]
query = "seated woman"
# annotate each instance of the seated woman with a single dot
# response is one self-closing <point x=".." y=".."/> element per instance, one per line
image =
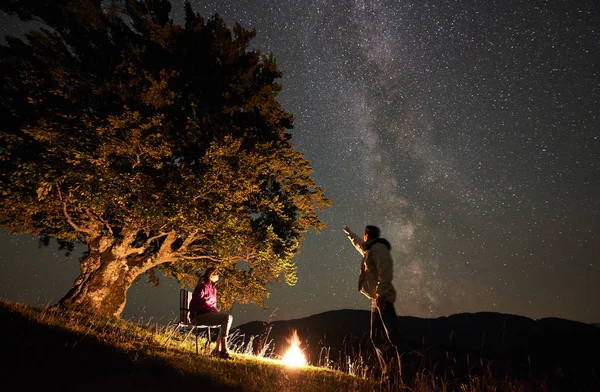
<point x="203" y="310"/>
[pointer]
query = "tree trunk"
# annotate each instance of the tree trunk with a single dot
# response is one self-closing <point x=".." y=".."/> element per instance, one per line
<point x="102" y="286"/>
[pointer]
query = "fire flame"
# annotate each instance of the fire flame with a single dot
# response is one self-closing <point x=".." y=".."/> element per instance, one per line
<point x="294" y="356"/>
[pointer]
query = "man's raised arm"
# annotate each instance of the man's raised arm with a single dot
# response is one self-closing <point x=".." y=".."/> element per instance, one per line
<point x="355" y="239"/>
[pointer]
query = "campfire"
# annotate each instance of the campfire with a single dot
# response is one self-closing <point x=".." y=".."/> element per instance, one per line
<point x="294" y="356"/>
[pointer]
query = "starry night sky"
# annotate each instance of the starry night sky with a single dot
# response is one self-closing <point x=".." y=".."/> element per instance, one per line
<point x="469" y="132"/>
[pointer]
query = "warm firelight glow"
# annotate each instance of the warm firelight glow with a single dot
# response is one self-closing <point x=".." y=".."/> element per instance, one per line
<point x="294" y="356"/>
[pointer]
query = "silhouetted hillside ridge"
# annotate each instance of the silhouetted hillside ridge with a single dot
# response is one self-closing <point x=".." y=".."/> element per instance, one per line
<point x="549" y="347"/>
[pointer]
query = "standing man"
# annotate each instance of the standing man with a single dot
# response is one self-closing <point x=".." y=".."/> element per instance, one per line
<point x="375" y="281"/>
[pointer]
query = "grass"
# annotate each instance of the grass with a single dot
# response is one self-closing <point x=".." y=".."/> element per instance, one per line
<point x="66" y="350"/>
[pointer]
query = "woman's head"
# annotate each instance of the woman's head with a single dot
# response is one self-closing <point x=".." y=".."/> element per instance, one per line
<point x="210" y="275"/>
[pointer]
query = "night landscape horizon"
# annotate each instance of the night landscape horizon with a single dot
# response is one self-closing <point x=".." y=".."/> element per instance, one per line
<point x="469" y="133"/>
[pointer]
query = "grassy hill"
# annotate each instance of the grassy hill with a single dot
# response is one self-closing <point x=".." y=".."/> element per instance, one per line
<point x="67" y="351"/>
<point x="58" y="350"/>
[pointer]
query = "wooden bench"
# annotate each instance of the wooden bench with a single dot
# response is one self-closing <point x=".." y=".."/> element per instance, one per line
<point x="186" y="325"/>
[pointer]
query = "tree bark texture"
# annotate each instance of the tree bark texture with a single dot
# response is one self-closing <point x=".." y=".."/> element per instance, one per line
<point x="107" y="273"/>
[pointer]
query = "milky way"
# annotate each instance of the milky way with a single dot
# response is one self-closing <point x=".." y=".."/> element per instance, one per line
<point x="468" y="131"/>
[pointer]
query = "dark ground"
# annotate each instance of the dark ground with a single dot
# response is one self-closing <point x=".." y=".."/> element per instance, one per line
<point x="43" y="358"/>
<point x="539" y="355"/>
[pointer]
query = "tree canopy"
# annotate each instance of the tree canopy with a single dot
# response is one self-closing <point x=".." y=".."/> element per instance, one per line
<point x="160" y="146"/>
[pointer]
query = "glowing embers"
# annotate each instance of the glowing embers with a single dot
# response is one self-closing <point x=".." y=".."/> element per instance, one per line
<point x="294" y="356"/>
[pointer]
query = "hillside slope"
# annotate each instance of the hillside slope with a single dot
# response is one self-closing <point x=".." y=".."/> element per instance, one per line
<point x="54" y="351"/>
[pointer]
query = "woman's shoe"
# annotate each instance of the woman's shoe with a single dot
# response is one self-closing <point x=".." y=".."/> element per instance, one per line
<point x="225" y="355"/>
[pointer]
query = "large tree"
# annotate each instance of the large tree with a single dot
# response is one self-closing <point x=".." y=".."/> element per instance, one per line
<point x="162" y="147"/>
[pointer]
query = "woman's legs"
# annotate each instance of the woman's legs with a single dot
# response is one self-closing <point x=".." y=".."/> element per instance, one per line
<point x="224" y="332"/>
<point x="214" y="319"/>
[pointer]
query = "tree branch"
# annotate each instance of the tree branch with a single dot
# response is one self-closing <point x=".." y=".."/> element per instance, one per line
<point x="156" y="237"/>
<point x="207" y="188"/>
<point x="72" y="223"/>
<point x="165" y="248"/>
<point x="200" y="258"/>
<point x="134" y="255"/>
<point x="92" y="214"/>
<point x="190" y="238"/>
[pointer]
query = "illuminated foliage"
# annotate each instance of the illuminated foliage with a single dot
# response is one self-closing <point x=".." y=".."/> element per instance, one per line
<point x="160" y="146"/>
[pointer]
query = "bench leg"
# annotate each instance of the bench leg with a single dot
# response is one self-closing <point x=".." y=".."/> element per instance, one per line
<point x="187" y="336"/>
<point x="207" y="344"/>
<point x="171" y="335"/>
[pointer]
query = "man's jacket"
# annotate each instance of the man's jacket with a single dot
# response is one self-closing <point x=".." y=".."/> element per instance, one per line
<point x="377" y="268"/>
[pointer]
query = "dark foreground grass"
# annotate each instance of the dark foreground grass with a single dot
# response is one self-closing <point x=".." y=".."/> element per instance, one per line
<point x="56" y="350"/>
<point x="67" y="351"/>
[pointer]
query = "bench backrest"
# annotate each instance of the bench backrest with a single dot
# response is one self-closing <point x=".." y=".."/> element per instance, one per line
<point x="185" y="297"/>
